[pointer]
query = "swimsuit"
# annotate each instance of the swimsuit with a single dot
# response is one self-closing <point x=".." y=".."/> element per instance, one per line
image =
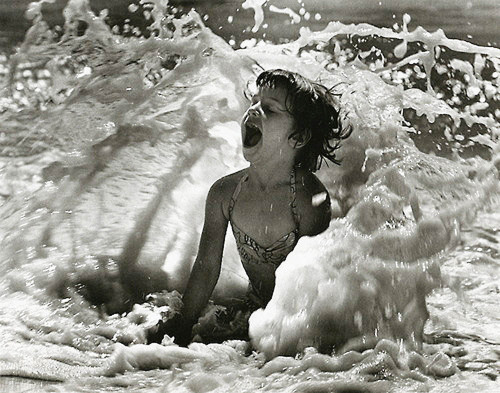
<point x="261" y="261"/>
<point x="231" y="322"/>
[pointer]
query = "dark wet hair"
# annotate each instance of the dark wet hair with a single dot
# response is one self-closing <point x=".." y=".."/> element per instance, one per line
<point x="313" y="108"/>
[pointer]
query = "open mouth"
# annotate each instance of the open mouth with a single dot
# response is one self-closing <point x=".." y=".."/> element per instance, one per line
<point x="252" y="135"/>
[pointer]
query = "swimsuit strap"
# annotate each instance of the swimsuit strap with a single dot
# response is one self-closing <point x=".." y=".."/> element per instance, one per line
<point x="293" y="196"/>
<point x="235" y="194"/>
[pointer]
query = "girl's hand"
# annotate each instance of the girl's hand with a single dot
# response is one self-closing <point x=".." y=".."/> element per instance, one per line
<point x="175" y="327"/>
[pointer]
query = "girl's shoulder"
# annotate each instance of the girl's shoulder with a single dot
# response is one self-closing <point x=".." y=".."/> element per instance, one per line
<point x="313" y="203"/>
<point x="222" y="190"/>
<point x="227" y="183"/>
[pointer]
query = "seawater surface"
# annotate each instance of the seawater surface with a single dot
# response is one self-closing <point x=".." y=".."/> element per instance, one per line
<point x="110" y="141"/>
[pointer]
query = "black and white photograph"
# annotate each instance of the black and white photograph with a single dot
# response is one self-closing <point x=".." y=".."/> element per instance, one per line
<point x="249" y="196"/>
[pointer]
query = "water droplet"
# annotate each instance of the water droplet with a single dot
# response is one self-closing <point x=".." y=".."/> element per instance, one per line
<point x="358" y="320"/>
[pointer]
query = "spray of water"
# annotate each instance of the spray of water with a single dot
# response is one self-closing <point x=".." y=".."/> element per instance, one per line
<point x="111" y="141"/>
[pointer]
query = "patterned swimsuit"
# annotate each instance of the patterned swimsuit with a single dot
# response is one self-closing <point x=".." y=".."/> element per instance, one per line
<point x="261" y="261"/>
<point x="260" y="264"/>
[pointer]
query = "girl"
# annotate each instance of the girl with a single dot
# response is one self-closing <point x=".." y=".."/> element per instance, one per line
<point x="290" y="127"/>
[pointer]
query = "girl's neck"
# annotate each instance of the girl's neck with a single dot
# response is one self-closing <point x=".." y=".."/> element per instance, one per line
<point x="268" y="177"/>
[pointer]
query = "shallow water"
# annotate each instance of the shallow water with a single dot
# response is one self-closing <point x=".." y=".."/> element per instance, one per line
<point x="106" y="136"/>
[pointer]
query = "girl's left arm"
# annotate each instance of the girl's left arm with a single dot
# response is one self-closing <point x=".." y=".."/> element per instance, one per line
<point x="314" y="206"/>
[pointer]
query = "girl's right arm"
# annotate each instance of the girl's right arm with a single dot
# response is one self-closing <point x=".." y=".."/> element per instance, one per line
<point x="207" y="266"/>
<point x="205" y="272"/>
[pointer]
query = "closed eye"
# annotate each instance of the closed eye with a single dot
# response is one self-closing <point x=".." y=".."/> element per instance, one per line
<point x="267" y="109"/>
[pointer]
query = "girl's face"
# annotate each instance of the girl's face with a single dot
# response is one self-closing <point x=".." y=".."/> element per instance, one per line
<point x="266" y="126"/>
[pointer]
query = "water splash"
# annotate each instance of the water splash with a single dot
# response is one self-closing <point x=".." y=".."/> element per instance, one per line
<point x="100" y="118"/>
<point x="256" y="5"/>
<point x="287" y="11"/>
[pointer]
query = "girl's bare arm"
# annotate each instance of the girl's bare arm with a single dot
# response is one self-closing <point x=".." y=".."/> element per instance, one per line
<point x="205" y="272"/>
<point x="207" y="266"/>
<point x="314" y="205"/>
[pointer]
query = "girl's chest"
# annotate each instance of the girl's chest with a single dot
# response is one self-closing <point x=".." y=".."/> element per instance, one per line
<point x="265" y="217"/>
